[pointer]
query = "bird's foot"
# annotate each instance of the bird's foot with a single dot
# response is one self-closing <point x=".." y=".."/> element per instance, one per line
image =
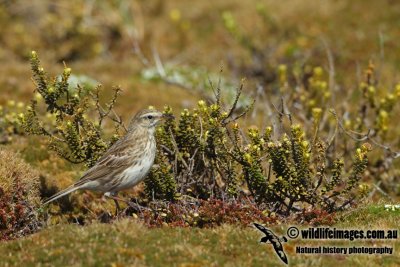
<point x="136" y="206"/>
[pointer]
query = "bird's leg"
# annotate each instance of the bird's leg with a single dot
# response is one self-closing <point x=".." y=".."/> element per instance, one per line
<point x="117" y="207"/>
<point x="115" y="198"/>
<point x="129" y="203"/>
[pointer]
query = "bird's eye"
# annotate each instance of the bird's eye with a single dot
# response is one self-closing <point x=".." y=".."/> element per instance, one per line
<point x="150" y="117"/>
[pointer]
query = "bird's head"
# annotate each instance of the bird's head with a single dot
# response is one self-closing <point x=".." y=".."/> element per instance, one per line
<point x="147" y="118"/>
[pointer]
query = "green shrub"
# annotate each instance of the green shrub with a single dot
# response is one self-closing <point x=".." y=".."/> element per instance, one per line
<point x="9" y="121"/>
<point x="69" y="27"/>
<point x="194" y="151"/>
<point x="204" y="154"/>
<point x="64" y="115"/>
<point x="210" y="157"/>
<point x="297" y="172"/>
<point x="305" y="85"/>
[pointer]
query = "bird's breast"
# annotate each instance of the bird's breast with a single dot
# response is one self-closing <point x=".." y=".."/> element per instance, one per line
<point x="135" y="173"/>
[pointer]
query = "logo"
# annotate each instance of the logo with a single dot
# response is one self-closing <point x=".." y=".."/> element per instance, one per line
<point x="326" y="233"/>
<point x="274" y="240"/>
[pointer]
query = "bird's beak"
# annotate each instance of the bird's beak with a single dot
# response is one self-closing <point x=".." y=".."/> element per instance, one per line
<point x="168" y="116"/>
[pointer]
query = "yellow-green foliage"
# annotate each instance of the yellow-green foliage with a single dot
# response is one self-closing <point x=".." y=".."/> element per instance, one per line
<point x="61" y="114"/>
<point x="306" y="86"/>
<point x="290" y="171"/>
<point x="161" y="184"/>
<point x="377" y="106"/>
<point x="309" y="86"/>
<point x="194" y="154"/>
<point x="9" y="120"/>
<point x="70" y="26"/>
<point x="204" y="153"/>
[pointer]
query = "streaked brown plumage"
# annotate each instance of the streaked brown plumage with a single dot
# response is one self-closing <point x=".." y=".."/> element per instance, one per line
<point x="126" y="163"/>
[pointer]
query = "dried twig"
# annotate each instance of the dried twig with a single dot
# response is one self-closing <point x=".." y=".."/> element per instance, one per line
<point x="365" y="137"/>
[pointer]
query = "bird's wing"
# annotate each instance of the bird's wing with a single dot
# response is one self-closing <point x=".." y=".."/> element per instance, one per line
<point x="265" y="230"/>
<point x="280" y="252"/>
<point x="115" y="158"/>
<point x="260" y="227"/>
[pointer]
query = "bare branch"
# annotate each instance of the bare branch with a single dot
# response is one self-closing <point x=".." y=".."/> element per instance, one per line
<point x="365" y="137"/>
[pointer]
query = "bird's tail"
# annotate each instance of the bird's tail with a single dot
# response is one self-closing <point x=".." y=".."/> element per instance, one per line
<point x="62" y="193"/>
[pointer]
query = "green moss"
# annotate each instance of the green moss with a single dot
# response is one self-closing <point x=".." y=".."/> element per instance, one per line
<point x="133" y="244"/>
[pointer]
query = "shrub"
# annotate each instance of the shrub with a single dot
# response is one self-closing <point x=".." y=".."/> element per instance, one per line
<point x="205" y="154"/>
<point x="19" y="197"/>
<point x="299" y="171"/>
<point x="195" y="155"/>
<point x="106" y="28"/>
<point x="63" y="114"/>
<point x="9" y="120"/>
<point x="210" y="159"/>
<point x="306" y="86"/>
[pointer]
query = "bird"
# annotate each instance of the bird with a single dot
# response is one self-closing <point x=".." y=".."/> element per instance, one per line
<point x="126" y="163"/>
<point x="274" y="240"/>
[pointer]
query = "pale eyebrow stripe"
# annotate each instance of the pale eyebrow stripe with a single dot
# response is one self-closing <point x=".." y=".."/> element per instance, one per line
<point x="147" y="114"/>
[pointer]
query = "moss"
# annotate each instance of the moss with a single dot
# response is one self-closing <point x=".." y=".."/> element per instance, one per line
<point x="19" y="197"/>
<point x="135" y="244"/>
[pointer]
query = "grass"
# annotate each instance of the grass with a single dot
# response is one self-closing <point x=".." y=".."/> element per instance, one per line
<point x="127" y="242"/>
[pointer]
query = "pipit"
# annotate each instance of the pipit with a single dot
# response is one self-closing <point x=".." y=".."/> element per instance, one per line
<point x="124" y="164"/>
